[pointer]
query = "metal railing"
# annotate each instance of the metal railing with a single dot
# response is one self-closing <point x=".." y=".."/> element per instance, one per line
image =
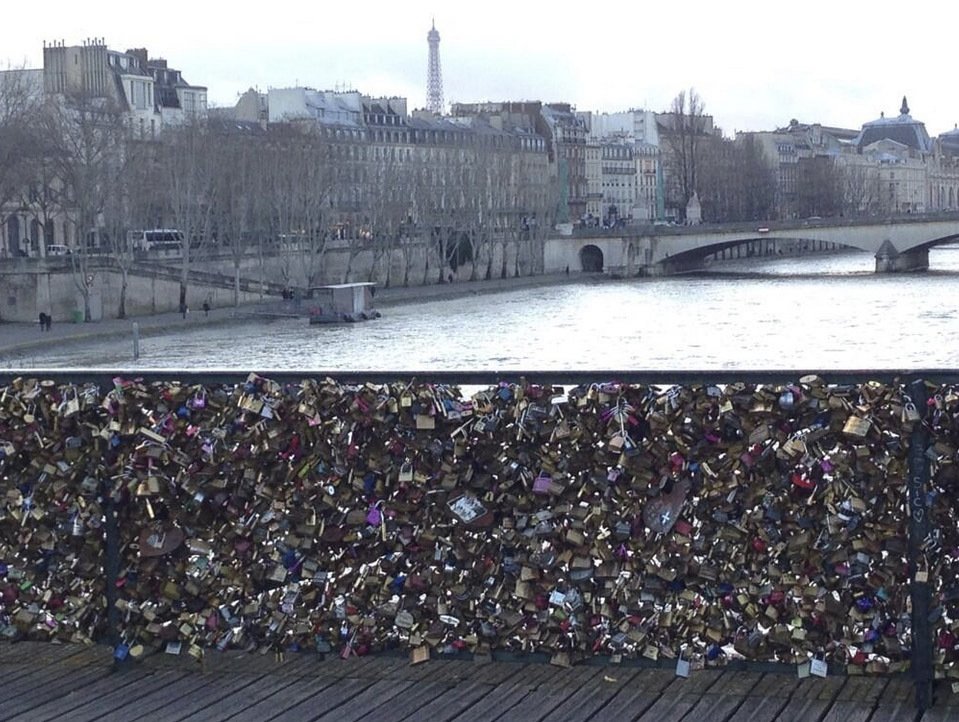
<point x="922" y="389"/>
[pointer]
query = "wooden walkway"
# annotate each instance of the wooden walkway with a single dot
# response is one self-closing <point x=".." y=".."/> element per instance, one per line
<point x="45" y="682"/>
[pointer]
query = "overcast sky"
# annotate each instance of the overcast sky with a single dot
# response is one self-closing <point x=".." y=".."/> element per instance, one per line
<point x="755" y="63"/>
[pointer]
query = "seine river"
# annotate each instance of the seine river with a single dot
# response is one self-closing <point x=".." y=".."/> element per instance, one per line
<point x="816" y="312"/>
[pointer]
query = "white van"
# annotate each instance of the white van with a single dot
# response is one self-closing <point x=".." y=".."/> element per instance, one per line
<point x="55" y="249"/>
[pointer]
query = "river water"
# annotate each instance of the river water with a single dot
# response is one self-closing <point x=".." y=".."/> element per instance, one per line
<point x="813" y="312"/>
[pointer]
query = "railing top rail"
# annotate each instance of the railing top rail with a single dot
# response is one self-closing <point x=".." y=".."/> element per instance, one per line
<point x="494" y="376"/>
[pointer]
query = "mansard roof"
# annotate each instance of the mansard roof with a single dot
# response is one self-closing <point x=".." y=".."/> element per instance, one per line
<point x="950" y="141"/>
<point x="902" y="129"/>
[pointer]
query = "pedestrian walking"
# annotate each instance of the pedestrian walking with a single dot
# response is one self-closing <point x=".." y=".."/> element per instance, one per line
<point x="206" y="308"/>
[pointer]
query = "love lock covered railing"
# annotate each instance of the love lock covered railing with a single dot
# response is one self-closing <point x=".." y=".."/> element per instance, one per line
<point x="693" y="519"/>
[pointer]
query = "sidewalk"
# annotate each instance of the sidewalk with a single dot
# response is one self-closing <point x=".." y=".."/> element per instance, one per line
<point x="17" y="338"/>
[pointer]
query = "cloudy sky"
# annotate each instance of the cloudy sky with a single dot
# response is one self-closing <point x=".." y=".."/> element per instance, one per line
<point x="755" y="63"/>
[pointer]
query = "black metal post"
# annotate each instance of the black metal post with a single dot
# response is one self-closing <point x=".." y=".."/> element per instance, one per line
<point x="919" y="528"/>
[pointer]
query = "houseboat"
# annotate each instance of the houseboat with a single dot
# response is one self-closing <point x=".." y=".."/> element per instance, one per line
<point x="339" y="303"/>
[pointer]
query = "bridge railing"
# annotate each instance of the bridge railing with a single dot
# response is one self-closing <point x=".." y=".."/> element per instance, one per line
<point x="649" y="229"/>
<point x="775" y="517"/>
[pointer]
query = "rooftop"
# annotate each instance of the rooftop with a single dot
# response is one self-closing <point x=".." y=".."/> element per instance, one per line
<point x="902" y="129"/>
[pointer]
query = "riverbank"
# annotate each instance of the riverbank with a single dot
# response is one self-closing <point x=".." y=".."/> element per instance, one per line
<point x="18" y="340"/>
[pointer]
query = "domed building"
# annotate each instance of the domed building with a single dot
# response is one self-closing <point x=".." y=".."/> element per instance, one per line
<point x="903" y="130"/>
<point x="944" y="172"/>
<point x="893" y="166"/>
<point x="949" y="142"/>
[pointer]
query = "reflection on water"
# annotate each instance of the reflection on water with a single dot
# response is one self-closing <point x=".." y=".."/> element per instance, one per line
<point x="827" y="312"/>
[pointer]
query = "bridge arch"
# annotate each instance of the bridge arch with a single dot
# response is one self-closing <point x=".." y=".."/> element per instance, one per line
<point x="745" y="246"/>
<point x="591" y="259"/>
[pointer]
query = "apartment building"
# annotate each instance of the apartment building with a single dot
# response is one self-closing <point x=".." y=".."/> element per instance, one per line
<point x="638" y="192"/>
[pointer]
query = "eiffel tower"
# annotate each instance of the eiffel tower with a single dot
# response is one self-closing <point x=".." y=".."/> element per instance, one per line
<point x="434" y="76"/>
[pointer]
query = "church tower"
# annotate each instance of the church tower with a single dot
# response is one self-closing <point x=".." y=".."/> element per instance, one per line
<point x="434" y="77"/>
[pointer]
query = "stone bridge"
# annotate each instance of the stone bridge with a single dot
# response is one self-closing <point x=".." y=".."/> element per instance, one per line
<point x="899" y="243"/>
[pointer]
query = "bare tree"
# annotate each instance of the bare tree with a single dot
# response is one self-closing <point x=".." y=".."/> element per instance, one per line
<point x="735" y="182"/>
<point x="188" y="162"/>
<point x="860" y="190"/>
<point x="131" y="202"/>
<point x="684" y="136"/>
<point x="389" y="193"/>
<point x="236" y="157"/>
<point x="85" y="136"/>
<point x="819" y="187"/>
<point x="41" y="191"/>
<point x="301" y="180"/>
<point x="21" y="143"/>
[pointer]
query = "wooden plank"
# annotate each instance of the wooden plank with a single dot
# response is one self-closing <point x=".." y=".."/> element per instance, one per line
<point x="376" y="668"/>
<point x="179" y="686"/>
<point x="849" y="711"/>
<point x="246" y="663"/>
<point x="589" y="699"/>
<point x="856" y="700"/>
<point x="37" y="670"/>
<point x="681" y="696"/>
<point x="497" y="703"/>
<point x="25" y="653"/>
<point x="552" y="693"/>
<point x="725" y="697"/>
<point x="42" y="678"/>
<point x="495" y="673"/>
<point x="264" y="689"/>
<point x="535" y="704"/>
<point x="512" y="674"/>
<point x="105" y="695"/>
<point x="863" y="689"/>
<point x="303" y="688"/>
<point x="133" y="702"/>
<point x="34" y="659"/>
<point x="811" y="699"/>
<point x="44" y="681"/>
<point x="766" y="699"/>
<point x="406" y="704"/>
<point x="436" y="670"/>
<point x="780" y="686"/>
<point x="35" y="695"/>
<point x="452" y="702"/>
<point x="574" y="677"/>
<point x="759" y="709"/>
<point x="641" y="693"/>
<point x="330" y="699"/>
<point x="380" y="693"/>
<point x="944" y="704"/>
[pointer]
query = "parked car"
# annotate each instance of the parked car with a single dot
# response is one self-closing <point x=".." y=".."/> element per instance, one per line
<point x="55" y="249"/>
